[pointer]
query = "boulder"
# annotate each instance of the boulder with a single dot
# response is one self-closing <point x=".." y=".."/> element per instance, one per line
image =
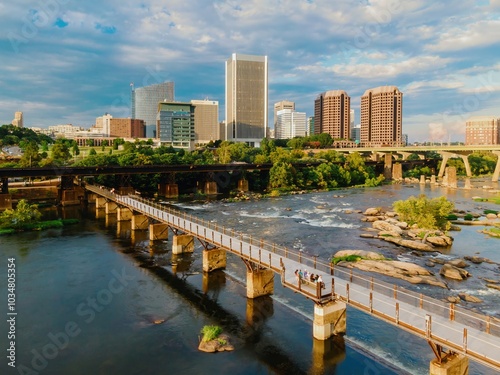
<point x="385" y="233"/>
<point x="491" y="216"/>
<point x="402" y="224"/>
<point x="453" y="299"/>
<point x="366" y="235"/>
<point x="438" y="261"/>
<point x="385" y="226"/>
<point x="460" y="263"/>
<point x="220" y="344"/>
<point x="493" y="286"/>
<point x="415" y="245"/>
<point x="441" y="241"/>
<point x="474" y="259"/>
<point x="391" y="214"/>
<point x="370" y="219"/>
<point x="362" y="253"/>
<point x="468" y="298"/>
<point x="451" y="272"/>
<point x="430" y="263"/>
<point x="372" y="212"/>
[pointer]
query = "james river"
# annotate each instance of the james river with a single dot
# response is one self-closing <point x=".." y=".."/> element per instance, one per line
<point x="96" y="299"/>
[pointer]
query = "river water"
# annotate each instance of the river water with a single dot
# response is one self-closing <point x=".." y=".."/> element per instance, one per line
<point x="98" y="298"/>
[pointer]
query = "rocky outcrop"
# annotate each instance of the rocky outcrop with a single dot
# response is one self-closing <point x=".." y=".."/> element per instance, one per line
<point x="451" y="272"/>
<point x="387" y="227"/>
<point x="493" y="286"/>
<point x="442" y="241"/>
<point x="415" y="245"/>
<point x="220" y="344"/>
<point x="460" y="263"/>
<point x="362" y="253"/>
<point x="410" y="272"/>
<point x="372" y="211"/>
<point x="468" y="298"/>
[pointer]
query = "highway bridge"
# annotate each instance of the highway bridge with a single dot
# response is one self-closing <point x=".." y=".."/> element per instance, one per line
<point x="455" y="334"/>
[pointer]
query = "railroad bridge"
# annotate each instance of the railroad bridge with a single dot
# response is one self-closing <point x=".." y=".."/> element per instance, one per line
<point x="454" y="334"/>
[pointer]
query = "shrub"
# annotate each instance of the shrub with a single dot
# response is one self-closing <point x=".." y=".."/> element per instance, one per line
<point x="210" y="333"/>
<point x="452" y="217"/>
<point x="347" y="258"/>
<point x="468" y="217"/>
<point x="426" y="213"/>
<point x="486" y="212"/>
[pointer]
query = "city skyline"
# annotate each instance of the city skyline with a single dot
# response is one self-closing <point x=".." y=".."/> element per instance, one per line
<point x="65" y="62"/>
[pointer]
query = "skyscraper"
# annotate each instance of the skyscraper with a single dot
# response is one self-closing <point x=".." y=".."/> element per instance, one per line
<point x="332" y="111"/>
<point x="290" y="124"/>
<point x="482" y="130"/>
<point x="206" y="120"/>
<point x="382" y="116"/>
<point x="246" y="98"/>
<point x="284" y="104"/>
<point x="175" y="124"/>
<point x="145" y="103"/>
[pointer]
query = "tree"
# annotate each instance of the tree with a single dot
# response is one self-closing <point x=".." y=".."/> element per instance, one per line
<point x="60" y="152"/>
<point x="426" y="213"/>
<point x="24" y="213"/>
<point x="31" y="157"/>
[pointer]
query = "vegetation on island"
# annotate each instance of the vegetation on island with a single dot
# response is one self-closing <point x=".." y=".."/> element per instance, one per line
<point x="27" y="217"/>
<point x="210" y="333"/>
<point x="426" y="213"/>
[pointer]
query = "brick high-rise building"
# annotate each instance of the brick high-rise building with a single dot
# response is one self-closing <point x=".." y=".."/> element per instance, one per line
<point x="332" y="111"/>
<point x="482" y="130"/>
<point x="246" y="98"/>
<point x="382" y="116"/>
<point x="126" y="128"/>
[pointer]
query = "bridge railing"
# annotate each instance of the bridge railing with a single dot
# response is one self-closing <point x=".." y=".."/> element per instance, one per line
<point x="450" y="311"/>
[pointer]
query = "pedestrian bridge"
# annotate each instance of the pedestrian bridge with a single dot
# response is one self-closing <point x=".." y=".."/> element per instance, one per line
<point x="454" y="333"/>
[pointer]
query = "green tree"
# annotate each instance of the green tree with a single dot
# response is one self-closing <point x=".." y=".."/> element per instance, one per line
<point x="75" y="149"/>
<point x="24" y="213"/>
<point x="426" y="213"/>
<point x="92" y="151"/>
<point x="31" y="157"/>
<point x="60" y="152"/>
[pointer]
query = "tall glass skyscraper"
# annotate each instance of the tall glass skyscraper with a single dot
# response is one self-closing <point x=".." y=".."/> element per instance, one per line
<point x="145" y="104"/>
<point x="246" y="98"/>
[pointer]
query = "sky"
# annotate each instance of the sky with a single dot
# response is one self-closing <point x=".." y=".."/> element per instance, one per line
<point x="69" y="61"/>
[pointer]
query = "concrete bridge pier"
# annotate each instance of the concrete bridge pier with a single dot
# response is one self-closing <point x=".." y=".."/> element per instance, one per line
<point x="260" y="282"/>
<point x="111" y="208"/>
<point x="243" y="185"/>
<point x="397" y="171"/>
<point x="210" y="188"/>
<point x="158" y="231"/>
<point x="451" y="174"/>
<point x="182" y="243"/>
<point x="454" y="364"/>
<point x="326" y="354"/>
<point x="5" y="202"/>
<point x="259" y="310"/>
<point x="329" y="320"/>
<point x="100" y="202"/>
<point x="123" y="214"/>
<point x="388" y="166"/>
<point x="496" y="174"/>
<point x="170" y="191"/>
<point x="214" y="259"/>
<point x="139" y="222"/>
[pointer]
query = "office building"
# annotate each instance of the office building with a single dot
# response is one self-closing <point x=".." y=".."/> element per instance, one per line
<point x="18" y="120"/>
<point x="175" y="124"/>
<point x="310" y="125"/>
<point x="332" y="110"/>
<point x="126" y="128"/>
<point x="356" y="133"/>
<point x="206" y="121"/>
<point x="102" y="124"/>
<point x="382" y="116"/>
<point x="284" y="104"/>
<point x="482" y="130"/>
<point x="145" y="104"/>
<point x="290" y="124"/>
<point x="246" y="98"/>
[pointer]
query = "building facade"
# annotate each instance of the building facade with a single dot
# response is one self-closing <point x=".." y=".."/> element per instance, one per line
<point x="206" y="121"/>
<point x="18" y="120"/>
<point x="246" y="98"/>
<point x="145" y="104"/>
<point x="175" y="124"/>
<point x="126" y="128"/>
<point x="382" y="116"/>
<point x="310" y="125"/>
<point x="356" y="133"/>
<point x="332" y="112"/>
<point x="284" y="104"/>
<point x="482" y="130"/>
<point x="290" y="124"/>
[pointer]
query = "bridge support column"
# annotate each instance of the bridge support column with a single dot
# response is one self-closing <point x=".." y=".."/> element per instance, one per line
<point x="243" y="185"/>
<point x="71" y="197"/>
<point x="388" y="166"/>
<point x="5" y="202"/>
<point x="140" y="222"/>
<point x="451" y="173"/>
<point x="422" y="179"/>
<point x="467" y="185"/>
<point x="496" y="174"/>
<point x="100" y="202"/>
<point x="258" y="311"/>
<point x="454" y="364"/>
<point x="210" y="188"/>
<point x="445" y="156"/>
<point x="111" y="208"/>
<point x="183" y="243"/>
<point x="465" y="158"/>
<point x="123" y="214"/>
<point x="433" y="180"/>
<point x="158" y="232"/>
<point x="329" y="320"/>
<point x="168" y="190"/>
<point x="214" y="259"/>
<point x="260" y="283"/>
<point x="397" y="171"/>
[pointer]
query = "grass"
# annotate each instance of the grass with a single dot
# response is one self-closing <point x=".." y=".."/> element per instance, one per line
<point x="494" y="232"/>
<point x="42" y="225"/>
<point x="347" y="258"/>
<point x="210" y="333"/>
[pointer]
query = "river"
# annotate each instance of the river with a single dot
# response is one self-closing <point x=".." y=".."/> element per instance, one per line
<point x="97" y="298"/>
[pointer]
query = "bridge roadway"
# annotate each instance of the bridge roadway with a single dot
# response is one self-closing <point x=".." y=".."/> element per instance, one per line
<point x="441" y="324"/>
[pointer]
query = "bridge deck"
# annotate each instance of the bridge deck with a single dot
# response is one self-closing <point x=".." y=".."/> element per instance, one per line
<point x="456" y="328"/>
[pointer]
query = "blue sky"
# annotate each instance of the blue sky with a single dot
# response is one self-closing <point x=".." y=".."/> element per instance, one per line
<point x="68" y="61"/>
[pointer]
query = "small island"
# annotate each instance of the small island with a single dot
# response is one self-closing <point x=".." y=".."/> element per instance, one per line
<point x="213" y="340"/>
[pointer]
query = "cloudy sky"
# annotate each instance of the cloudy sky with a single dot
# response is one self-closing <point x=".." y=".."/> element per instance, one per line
<point x="69" y="61"/>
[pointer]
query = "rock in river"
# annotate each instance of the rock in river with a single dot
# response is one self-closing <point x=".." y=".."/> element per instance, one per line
<point x="454" y="273"/>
